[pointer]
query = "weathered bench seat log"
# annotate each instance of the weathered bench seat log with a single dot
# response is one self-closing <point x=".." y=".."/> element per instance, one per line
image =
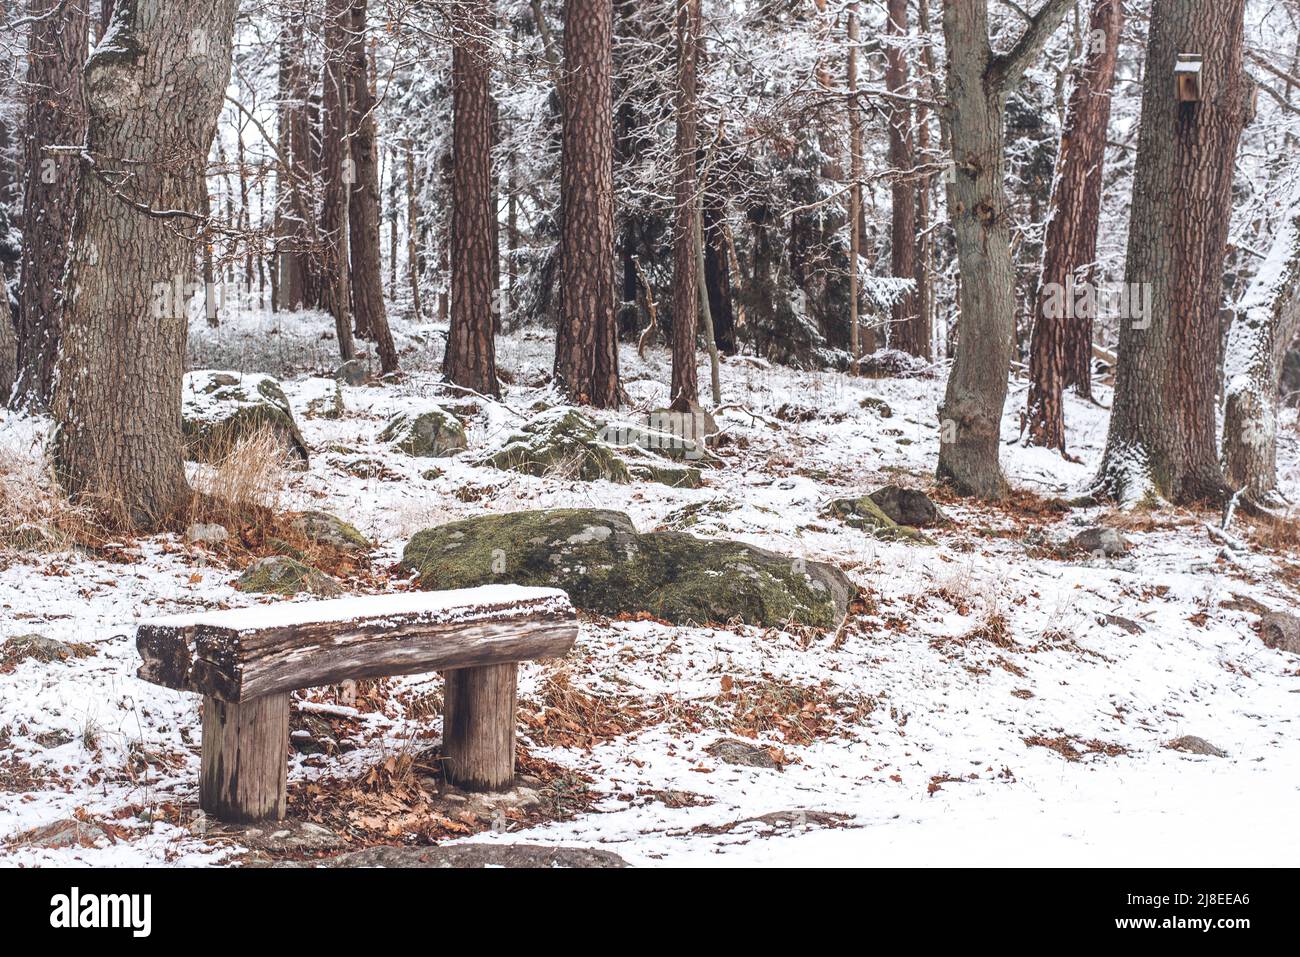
<point x="246" y="661"/>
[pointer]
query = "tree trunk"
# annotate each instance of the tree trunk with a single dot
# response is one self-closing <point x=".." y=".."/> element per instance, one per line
<point x="685" y="390"/>
<point x="339" y="171"/>
<point x="471" y="350"/>
<point x="1061" y="344"/>
<point x="56" y="53"/>
<point x="412" y="233"/>
<point x="1162" y="438"/>
<point x="910" y="331"/>
<point x="855" y="191"/>
<point x="154" y="89"/>
<point x="977" y="82"/>
<point x="586" y="346"/>
<point x="363" y="219"/>
<point x="1265" y="326"/>
<point x="298" y="284"/>
<point x="8" y="345"/>
<point x="717" y="274"/>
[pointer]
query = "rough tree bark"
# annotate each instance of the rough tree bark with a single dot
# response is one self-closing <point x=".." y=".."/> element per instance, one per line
<point x="855" y="190"/>
<point x="1162" y="441"/>
<point x="338" y="171"/>
<point x="471" y="350"/>
<point x="1061" y="345"/>
<point x="154" y="88"/>
<point x="8" y="345"/>
<point x="363" y="212"/>
<point x="909" y="330"/>
<point x="56" y="52"/>
<point x="299" y="284"/>
<point x="586" y="345"/>
<point x="685" y="389"/>
<point x="1266" y="323"/>
<point x="977" y="83"/>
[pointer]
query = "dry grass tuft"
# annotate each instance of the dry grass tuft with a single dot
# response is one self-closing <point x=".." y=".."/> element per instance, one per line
<point x="35" y="513"/>
<point x="244" y="486"/>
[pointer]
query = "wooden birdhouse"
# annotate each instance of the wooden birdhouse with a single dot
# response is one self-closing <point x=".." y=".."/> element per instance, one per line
<point x="1187" y="77"/>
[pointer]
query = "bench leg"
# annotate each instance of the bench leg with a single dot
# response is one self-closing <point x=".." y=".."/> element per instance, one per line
<point x="245" y="758"/>
<point x="478" y="727"/>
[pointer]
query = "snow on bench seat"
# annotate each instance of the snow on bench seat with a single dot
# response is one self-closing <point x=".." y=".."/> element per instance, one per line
<point x="245" y="653"/>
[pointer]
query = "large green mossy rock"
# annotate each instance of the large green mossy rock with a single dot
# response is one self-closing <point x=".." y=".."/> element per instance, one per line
<point x="285" y="575"/>
<point x="865" y="514"/>
<point x="565" y="442"/>
<point x="326" y="529"/>
<point x="218" y="409"/>
<point x="431" y="432"/>
<point x="559" y="442"/>
<point x="606" y="566"/>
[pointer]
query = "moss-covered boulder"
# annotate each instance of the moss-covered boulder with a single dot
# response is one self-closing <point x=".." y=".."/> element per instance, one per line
<point x="428" y="433"/>
<point x="284" y="575"/>
<point x="218" y="409"/>
<point x="908" y="506"/>
<point x="326" y="529"/>
<point x="606" y="566"/>
<point x="563" y="442"/>
<point x="566" y="442"/>
<point x="865" y="514"/>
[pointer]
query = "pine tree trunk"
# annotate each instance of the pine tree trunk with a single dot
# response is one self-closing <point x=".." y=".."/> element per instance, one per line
<point x="685" y="390"/>
<point x="1061" y="345"/>
<point x="586" y="347"/>
<point x="298" y="284"/>
<point x="154" y="89"/>
<point x="57" y="49"/>
<point x="367" y="270"/>
<point x="8" y="345"/>
<point x="1265" y="326"/>
<point x="471" y="350"/>
<point x="717" y="274"/>
<point x="1162" y="438"/>
<point x="339" y="172"/>
<point x="970" y="418"/>
<point x="412" y="233"/>
<point x="910" y="332"/>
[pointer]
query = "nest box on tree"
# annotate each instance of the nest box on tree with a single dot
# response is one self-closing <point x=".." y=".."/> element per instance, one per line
<point x="1187" y="77"/>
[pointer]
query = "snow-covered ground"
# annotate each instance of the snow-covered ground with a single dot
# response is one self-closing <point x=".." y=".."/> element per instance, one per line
<point x="995" y="704"/>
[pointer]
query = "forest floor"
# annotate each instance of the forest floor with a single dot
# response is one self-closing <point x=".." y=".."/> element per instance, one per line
<point x="992" y="703"/>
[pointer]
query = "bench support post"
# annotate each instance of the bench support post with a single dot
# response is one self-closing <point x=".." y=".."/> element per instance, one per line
<point x="245" y="758"/>
<point x="478" y="727"/>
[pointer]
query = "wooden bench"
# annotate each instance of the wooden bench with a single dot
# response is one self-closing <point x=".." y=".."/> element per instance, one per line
<point x="245" y="662"/>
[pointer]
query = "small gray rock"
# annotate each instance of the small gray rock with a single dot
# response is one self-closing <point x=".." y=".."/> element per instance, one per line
<point x="1279" y="630"/>
<point x="353" y="372"/>
<point x="201" y="534"/>
<point x="744" y="753"/>
<point x="1099" y="540"/>
<point x="66" y="833"/>
<point x="37" y="647"/>
<point x="878" y="406"/>
<point x="326" y="529"/>
<point x="908" y="506"/>
<point x="283" y="575"/>
<point x="1194" y="745"/>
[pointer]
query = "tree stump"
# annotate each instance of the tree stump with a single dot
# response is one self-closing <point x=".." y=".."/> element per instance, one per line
<point x="245" y="758"/>
<point x="478" y="736"/>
